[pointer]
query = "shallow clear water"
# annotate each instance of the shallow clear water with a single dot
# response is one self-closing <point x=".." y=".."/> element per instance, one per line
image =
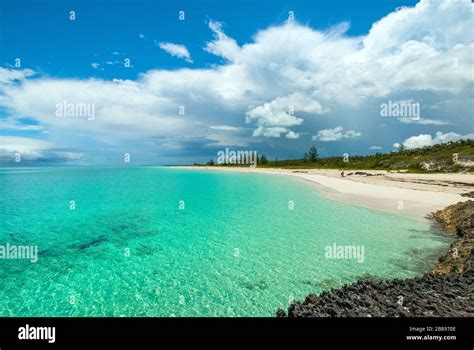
<point x="234" y="250"/>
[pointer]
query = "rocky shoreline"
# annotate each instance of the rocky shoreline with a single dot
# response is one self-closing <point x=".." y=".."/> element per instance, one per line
<point x="446" y="291"/>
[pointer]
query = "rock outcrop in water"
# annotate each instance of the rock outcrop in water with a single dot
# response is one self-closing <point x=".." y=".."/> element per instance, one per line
<point x="429" y="295"/>
<point x="458" y="220"/>
<point x="446" y="291"/>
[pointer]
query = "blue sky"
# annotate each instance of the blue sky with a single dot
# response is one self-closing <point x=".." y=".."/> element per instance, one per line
<point x="237" y="74"/>
<point x="40" y="31"/>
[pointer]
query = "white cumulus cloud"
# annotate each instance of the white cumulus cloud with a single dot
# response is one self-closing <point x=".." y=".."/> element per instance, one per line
<point x="176" y="50"/>
<point x="424" y="140"/>
<point x="335" y="134"/>
<point x="292" y="135"/>
<point x="279" y="114"/>
<point x="222" y="45"/>
<point x="292" y="76"/>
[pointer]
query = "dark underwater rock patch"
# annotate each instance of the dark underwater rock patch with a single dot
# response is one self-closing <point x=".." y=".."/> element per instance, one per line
<point x="89" y="244"/>
<point x="259" y="284"/>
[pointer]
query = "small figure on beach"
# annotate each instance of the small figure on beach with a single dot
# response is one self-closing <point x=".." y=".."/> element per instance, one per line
<point x="342" y="173"/>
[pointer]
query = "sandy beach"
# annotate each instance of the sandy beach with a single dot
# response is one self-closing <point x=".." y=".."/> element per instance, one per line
<point x="414" y="195"/>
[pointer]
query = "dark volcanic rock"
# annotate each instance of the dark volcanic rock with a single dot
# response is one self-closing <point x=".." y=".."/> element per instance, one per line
<point x="468" y="194"/>
<point x="447" y="291"/>
<point x="429" y="295"/>
<point x="458" y="220"/>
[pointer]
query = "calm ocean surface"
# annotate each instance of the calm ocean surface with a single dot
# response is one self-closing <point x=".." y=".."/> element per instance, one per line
<point x="176" y="242"/>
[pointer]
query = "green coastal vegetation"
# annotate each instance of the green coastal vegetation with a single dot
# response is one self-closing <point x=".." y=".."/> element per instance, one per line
<point x="448" y="157"/>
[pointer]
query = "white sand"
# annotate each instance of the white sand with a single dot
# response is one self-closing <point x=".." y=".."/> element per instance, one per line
<point x="415" y="195"/>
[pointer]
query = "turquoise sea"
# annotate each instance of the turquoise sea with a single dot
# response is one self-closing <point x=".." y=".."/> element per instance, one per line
<point x="152" y="241"/>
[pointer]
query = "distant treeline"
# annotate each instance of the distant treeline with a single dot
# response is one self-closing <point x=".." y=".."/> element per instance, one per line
<point x="447" y="157"/>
